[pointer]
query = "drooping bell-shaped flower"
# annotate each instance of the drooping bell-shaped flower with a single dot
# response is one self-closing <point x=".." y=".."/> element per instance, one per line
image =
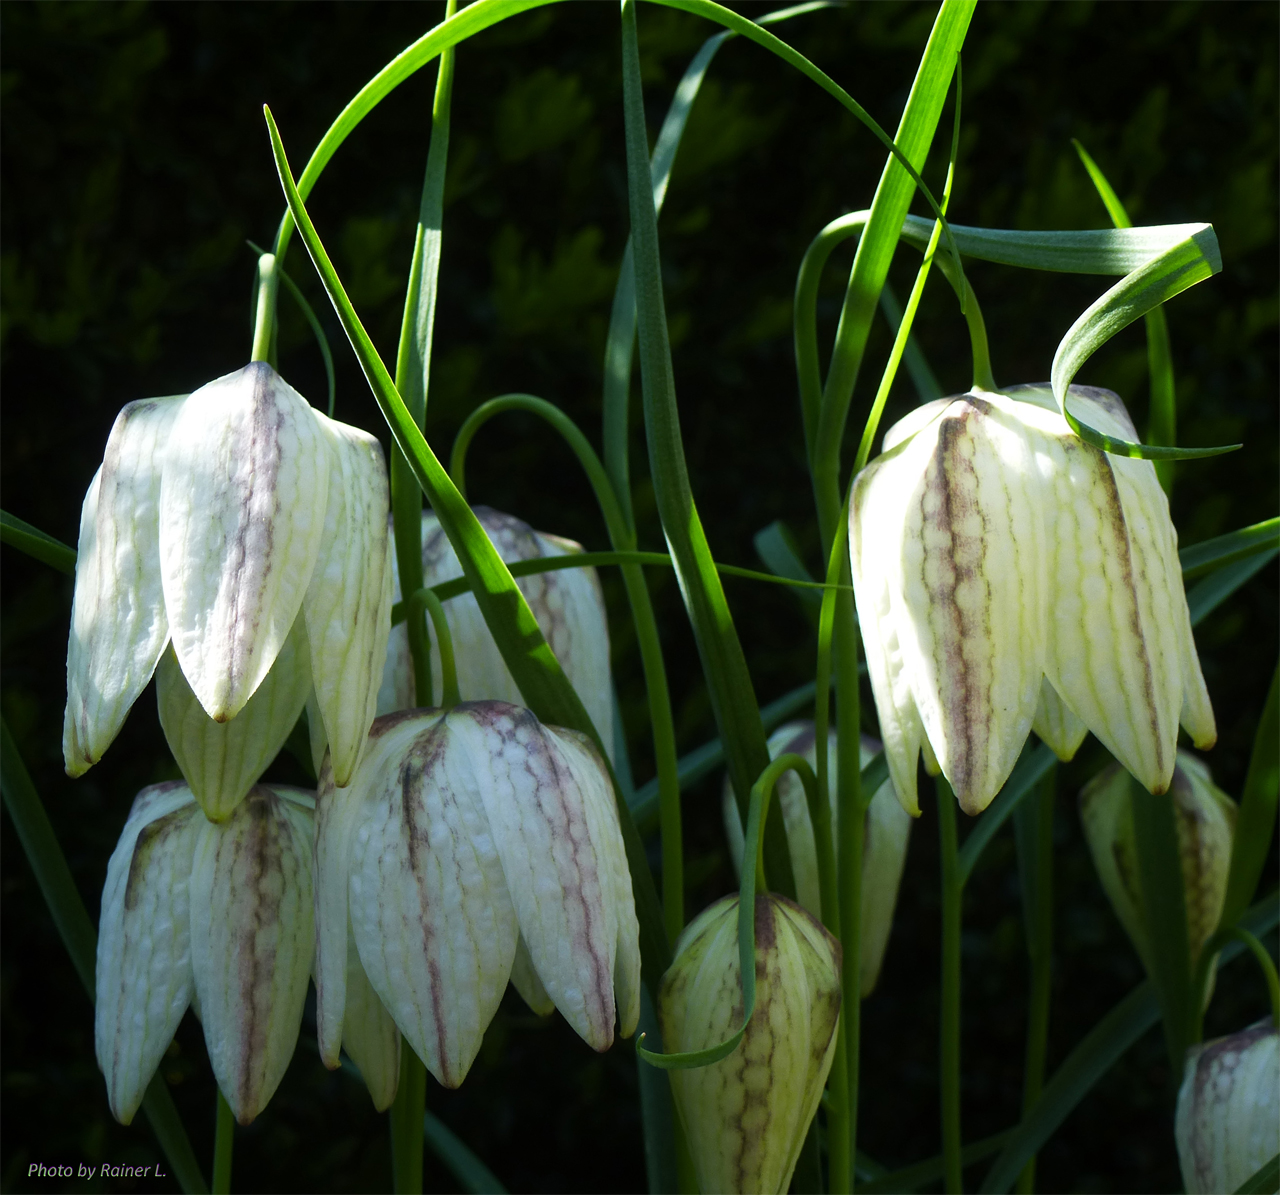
<point x="884" y="851"/>
<point x="218" y="916"/>
<point x="746" y="1116"/>
<point x="1205" y="818"/>
<point x="1228" y="1118"/>
<point x="567" y="603"/>
<point x="1009" y="574"/>
<point x="473" y="847"/>
<point x="247" y="530"/>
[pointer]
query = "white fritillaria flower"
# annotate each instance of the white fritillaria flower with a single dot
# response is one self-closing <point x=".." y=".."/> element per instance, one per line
<point x="884" y="850"/>
<point x="746" y="1116"/>
<point x="474" y="846"/>
<point x="215" y="521"/>
<point x="567" y="603"/>
<point x="215" y="916"/>
<point x="1228" y="1119"/>
<point x="1205" y="818"/>
<point x="1010" y="576"/>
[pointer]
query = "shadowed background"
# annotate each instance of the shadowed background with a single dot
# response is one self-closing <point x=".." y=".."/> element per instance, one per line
<point x="135" y="163"/>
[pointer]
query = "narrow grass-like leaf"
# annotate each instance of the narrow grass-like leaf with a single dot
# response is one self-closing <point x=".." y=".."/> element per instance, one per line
<point x="531" y="662"/>
<point x="922" y="375"/>
<point x="1262" y="1181"/>
<point x="1210" y="554"/>
<point x="34" y="542"/>
<point x="71" y="919"/>
<point x="472" y="1174"/>
<point x="1034" y="764"/>
<point x="1207" y="595"/>
<point x="723" y="662"/>
<point x="777" y="547"/>
<point x="1256" y="818"/>
<point x="1162" y="425"/>
<point x="1099" y="1050"/>
<point x="918" y="1174"/>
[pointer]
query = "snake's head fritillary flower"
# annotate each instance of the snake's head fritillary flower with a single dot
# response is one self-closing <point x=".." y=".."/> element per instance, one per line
<point x="884" y="850"/>
<point x="746" y="1116"/>
<point x="218" y="916"/>
<point x="1205" y="818"/>
<point x="249" y="532"/>
<point x="567" y="603"/>
<point x="473" y="847"/>
<point x="1228" y="1118"/>
<point x="1010" y="576"/>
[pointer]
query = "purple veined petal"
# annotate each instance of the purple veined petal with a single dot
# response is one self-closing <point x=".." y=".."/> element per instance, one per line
<point x="968" y="593"/>
<point x="253" y="940"/>
<point x="118" y="621"/>
<point x="369" y="1034"/>
<point x="1056" y="724"/>
<point x="524" y="978"/>
<point x="561" y="887"/>
<point x="430" y="910"/>
<point x="242" y="513"/>
<point x="348" y="601"/>
<point x="222" y="761"/>
<point x="144" y="977"/>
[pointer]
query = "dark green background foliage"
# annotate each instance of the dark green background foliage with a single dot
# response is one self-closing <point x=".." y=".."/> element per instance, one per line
<point x="135" y="163"/>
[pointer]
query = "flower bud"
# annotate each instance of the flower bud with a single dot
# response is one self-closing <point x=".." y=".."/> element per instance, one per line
<point x="746" y="1116"/>
<point x="1228" y="1118"/>
<point x="567" y="603"/>
<point x="884" y="844"/>
<point x="1205" y="818"/>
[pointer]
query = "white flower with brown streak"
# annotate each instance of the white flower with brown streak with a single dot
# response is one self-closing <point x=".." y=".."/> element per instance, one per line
<point x="215" y="916"/>
<point x="1011" y="577"/>
<point x="248" y="531"/>
<point x="473" y="846"/>
<point x="567" y="603"/>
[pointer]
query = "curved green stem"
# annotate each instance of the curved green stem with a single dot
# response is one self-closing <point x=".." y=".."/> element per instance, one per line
<point x="265" y="320"/>
<point x="623" y="538"/>
<point x="1204" y="967"/>
<point x="983" y="378"/>
<point x="223" y="1140"/>
<point x="949" y="1022"/>
<point x="444" y="641"/>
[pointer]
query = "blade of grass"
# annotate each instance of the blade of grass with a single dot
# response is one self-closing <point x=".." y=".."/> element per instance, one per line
<point x="777" y="548"/>
<point x="918" y="1174"/>
<point x="525" y="652"/>
<point x="35" y="543"/>
<point x="71" y="919"/>
<point x="1207" y="595"/>
<point x="1033" y="766"/>
<point x="922" y="376"/>
<point x="1263" y="1180"/>
<point x="1096" y="1053"/>
<point x="472" y="1174"/>
<point x="1211" y="554"/>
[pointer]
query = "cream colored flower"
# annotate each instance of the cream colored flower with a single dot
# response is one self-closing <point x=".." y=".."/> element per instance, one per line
<point x="215" y="521"/>
<point x="474" y="847"/>
<point x="1007" y="574"/>
<point x="215" y="916"/>
<point x="568" y="605"/>
<point x="746" y="1116"/>
<point x="1228" y="1119"/>
<point x="884" y="852"/>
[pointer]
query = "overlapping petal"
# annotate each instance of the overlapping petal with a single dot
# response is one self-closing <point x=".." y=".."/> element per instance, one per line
<point x="118" y="622"/>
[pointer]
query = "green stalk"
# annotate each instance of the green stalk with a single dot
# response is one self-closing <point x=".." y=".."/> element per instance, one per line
<point x="413" y="364"/>
<point x="1204" y="969"/>
<point x="949" y="1022"/>
<point x="265" y="318"/>
<point x="444" y="639"/>
<point x="407" y="1114"/>
<point x="1033" y="829"/>
<point x="723" y="662"/>
<point x="223" y="1140"/>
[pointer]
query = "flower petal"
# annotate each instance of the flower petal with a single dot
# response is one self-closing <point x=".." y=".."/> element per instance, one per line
<point x="252" y="941"/>
<point x="968" y="595"/>
<point x="144" y="947"/>
<point x="553" y="853"/>
<point x="223" y="761"/>
<point x="524" y="978"/>
<point x="118" y="621"/>
<point x="429" y="905"/>
<point x="1057" y="725"/>
<point x="242" y="511"/>
<point x="348" y="601"/>
<point x="369" y="1034"/>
